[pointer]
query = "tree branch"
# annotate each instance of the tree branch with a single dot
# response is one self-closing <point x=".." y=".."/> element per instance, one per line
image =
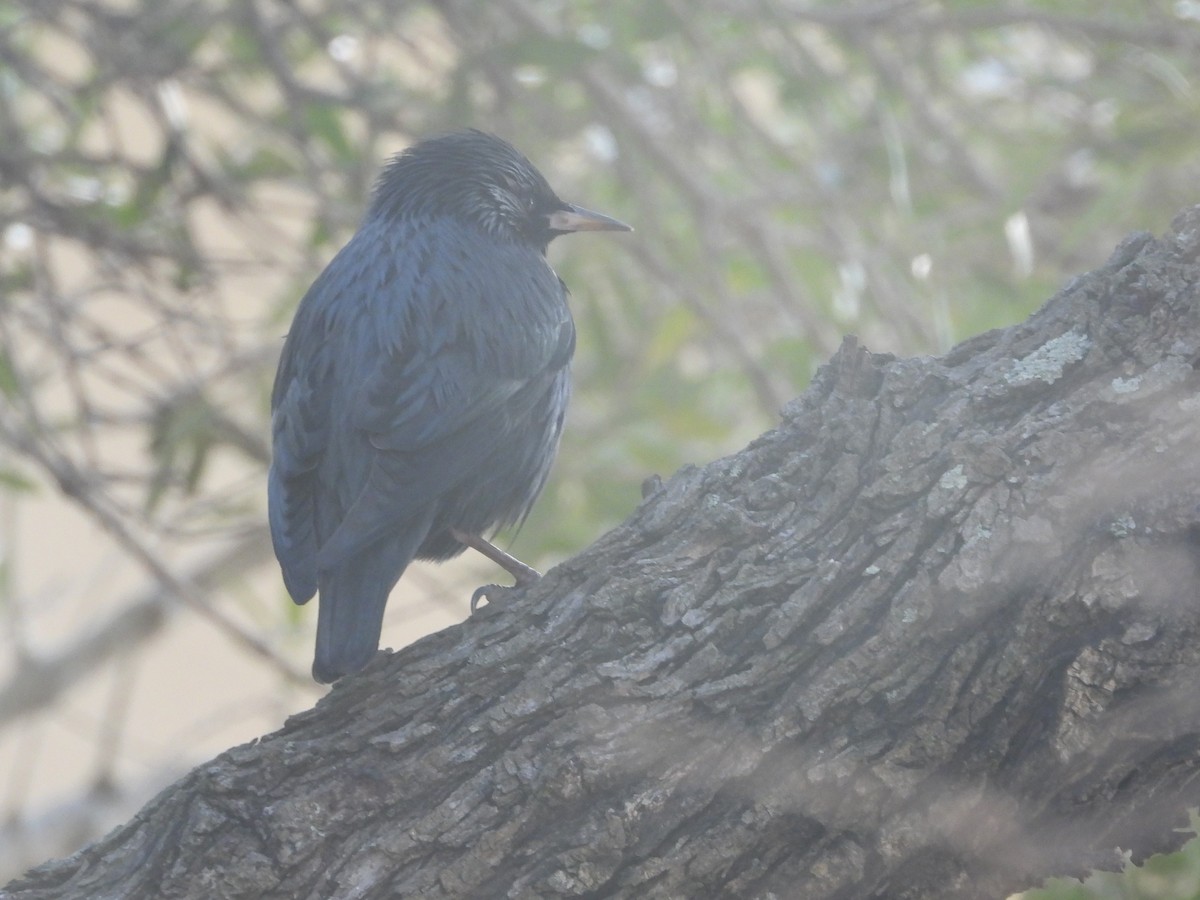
<point x="936" y="635"/>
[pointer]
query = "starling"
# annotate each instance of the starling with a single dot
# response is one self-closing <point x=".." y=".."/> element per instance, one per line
<point x="421" y="391"/>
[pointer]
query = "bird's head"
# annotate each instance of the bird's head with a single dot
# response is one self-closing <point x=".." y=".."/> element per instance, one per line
<point x="484" y="181"/>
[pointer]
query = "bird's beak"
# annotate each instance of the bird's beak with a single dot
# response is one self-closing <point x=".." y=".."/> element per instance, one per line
<point x="576" y="218"/>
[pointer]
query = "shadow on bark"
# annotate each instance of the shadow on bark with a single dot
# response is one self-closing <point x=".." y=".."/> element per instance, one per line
<point x="933" y="636"/>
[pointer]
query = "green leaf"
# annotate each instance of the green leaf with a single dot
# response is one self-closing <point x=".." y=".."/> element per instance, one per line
<point x="10" y="383"/>
<point x="324" y="120"/>
<point x="16" y="481"/>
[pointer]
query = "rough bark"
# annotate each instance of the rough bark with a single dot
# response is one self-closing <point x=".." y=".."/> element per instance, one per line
<point x="933" y="636"/>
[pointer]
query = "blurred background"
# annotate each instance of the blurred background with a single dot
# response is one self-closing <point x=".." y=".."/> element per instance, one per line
<point x="174" y="173"/>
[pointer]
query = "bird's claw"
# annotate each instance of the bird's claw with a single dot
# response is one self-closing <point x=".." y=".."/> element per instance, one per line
<point x="483" y="592"/>
<point x="493" y="592"/>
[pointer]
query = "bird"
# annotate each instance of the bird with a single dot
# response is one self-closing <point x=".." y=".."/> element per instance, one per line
<point x="422" y="387"/>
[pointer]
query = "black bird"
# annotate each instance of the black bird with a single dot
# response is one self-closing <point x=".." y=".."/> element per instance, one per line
<point x="421" y="392"/>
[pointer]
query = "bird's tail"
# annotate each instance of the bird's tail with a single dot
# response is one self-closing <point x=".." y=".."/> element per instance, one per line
<point x="352" y="598"/>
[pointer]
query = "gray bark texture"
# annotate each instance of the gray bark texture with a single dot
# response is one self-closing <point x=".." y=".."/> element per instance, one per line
<point x="936" y="635"/>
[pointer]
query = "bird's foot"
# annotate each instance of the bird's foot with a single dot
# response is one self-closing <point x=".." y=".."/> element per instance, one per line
<point x="523" y="575"/>
<point x="493" y="592"/>
<point x="485" y="592"/>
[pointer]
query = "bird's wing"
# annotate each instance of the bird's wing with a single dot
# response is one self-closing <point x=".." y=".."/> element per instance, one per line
<point x="301" y="403"/>
<point x="464" y="332"/>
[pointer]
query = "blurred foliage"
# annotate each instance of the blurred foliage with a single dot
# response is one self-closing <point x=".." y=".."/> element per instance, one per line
<point x="174" y="173"/>
<point x="912" y="172"/>
<point x="1164" y="876"/>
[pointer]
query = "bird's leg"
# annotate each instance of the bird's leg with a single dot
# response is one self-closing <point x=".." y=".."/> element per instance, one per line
<point x="522" y="574"/>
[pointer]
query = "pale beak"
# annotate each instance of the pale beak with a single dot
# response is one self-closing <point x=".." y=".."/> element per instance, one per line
<point x="576" y="218"/>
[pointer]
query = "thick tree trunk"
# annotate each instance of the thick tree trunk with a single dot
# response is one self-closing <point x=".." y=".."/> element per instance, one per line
<point x="934" y="636"/>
